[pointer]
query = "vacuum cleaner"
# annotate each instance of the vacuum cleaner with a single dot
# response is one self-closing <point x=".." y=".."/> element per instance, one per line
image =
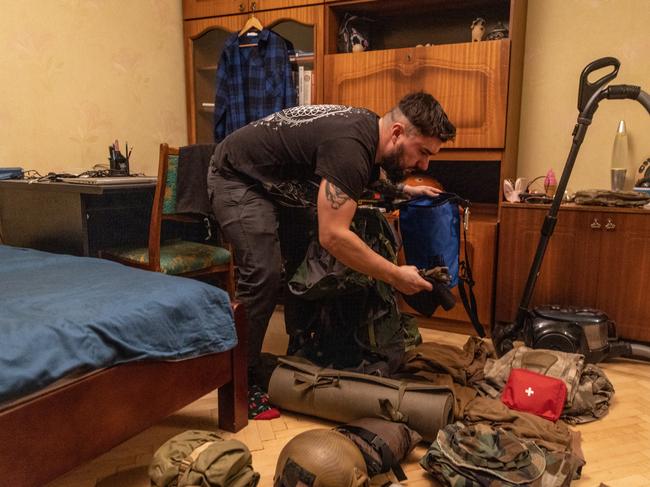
<point x="572" y="329"/>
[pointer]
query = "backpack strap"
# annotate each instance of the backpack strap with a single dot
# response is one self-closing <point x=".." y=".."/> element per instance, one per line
<point x="465" y="278"/>
<point x="187" y="462"/>
<point x="388" y="460"/>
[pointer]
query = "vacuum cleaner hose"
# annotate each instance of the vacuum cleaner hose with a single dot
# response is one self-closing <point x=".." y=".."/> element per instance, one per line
<point x="644" y="99"/>
<point x="641" y="352"/>
<point x="631" y="92"/>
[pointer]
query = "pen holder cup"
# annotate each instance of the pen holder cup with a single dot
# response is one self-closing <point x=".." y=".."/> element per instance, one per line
<point x="119" y="165"/>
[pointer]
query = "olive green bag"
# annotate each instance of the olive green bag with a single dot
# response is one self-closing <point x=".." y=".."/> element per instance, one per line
<point x="202" y="459"/>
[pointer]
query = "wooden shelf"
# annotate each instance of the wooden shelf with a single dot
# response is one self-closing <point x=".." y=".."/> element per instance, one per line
<point x="302" y="59"/>
<point x="407" y="23"/>
<point x="293" y="59"/>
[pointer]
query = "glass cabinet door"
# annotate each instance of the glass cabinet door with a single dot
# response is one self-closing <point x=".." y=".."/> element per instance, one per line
<point x="301" y="38"/>
<point x="207" y="49"/>
<point x="204" y="42"/>
<point x="303" y="28"/>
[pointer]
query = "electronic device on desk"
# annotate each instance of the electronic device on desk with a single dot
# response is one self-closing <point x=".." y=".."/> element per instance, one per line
<point x="108" y="180"/>
<point x="11" y="173"/>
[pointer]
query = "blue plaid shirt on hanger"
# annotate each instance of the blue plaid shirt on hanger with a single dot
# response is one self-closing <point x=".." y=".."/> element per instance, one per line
<point x="252" y="82"/>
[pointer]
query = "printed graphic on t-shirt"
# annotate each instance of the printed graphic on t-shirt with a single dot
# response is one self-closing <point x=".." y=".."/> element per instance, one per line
<point x="304" y="114"/>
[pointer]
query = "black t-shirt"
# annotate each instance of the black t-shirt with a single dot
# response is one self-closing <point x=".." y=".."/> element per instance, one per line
<point x="334" y="142"/>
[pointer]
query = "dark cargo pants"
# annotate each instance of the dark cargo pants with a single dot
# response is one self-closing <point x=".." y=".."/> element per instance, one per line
<point x="250" y="221"/>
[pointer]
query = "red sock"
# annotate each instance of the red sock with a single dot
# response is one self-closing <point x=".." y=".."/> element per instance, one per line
<point x="268" y="414"/>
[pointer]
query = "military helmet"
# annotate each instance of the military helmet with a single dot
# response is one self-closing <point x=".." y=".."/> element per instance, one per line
<point x="320" y="458"/>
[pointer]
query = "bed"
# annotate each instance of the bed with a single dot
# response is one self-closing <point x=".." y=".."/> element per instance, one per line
<point x="93" y="352"/>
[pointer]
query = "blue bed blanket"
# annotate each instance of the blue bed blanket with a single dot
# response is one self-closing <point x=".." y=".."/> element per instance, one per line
<point x="60" y="313"/>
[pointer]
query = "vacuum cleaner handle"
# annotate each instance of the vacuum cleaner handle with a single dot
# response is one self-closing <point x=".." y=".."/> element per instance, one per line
<point x="587" y="89"/>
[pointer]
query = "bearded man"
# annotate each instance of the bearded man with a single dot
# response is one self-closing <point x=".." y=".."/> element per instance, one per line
<point x="341" y="150"/>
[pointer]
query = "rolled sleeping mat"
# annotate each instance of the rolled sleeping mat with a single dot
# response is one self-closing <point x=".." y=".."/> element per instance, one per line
<point x="300" y="386"/>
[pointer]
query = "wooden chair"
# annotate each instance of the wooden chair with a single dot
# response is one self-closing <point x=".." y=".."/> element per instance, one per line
<point x="177" y="257"/>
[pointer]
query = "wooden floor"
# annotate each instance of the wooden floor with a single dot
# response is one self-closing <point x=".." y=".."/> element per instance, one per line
<point x="617" y="448"/>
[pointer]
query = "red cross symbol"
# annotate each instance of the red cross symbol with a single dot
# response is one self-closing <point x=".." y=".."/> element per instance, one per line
<point x="529" y="392"/>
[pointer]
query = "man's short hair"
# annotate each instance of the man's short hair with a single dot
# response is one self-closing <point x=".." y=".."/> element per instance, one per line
<point x="427" y="116"/>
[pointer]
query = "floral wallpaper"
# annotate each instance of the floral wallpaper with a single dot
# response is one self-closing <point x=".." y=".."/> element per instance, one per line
<point x="562" y="37"/>
<point x="78" y="74"/>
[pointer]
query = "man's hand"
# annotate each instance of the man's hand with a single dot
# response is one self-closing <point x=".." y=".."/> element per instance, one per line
<point x="335" y="212"/>
<point x="421" y="191"/>
<point x="409" y="281"/>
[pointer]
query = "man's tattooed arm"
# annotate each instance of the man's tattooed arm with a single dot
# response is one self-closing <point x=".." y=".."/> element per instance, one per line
<point x="386" y="188"/>
<point x="335" y="196"/>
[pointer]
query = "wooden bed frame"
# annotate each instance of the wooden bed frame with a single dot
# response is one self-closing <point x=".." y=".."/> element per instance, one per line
<point x="47" y="435"/>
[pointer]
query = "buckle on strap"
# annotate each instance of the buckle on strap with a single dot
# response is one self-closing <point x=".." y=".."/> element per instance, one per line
<point x="187" y="462"/>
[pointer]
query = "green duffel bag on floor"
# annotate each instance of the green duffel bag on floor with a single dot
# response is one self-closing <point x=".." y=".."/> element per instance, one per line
<point x="202" y="459"/>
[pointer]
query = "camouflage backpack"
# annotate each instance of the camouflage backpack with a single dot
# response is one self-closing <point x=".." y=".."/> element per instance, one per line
<point x="354" y="318"/>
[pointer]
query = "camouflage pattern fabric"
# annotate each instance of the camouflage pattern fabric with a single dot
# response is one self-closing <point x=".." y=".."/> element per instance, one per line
<point x="565" y="366"/>
<point x="561" y="446"/>
<point x="589" y="391"/>
<point x="561" y="469"/>
<point x="602" y="197"/>
<point x="554" y="436"/>
<point x="592" y="399"/>
<point x="481" y="455"/>
<point x="355" y="317"/>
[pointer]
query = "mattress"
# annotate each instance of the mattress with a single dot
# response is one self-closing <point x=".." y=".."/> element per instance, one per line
<point x="62" y="314"/>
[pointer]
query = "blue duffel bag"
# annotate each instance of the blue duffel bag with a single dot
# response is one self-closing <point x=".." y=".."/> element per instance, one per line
<point x="430" y="231"/>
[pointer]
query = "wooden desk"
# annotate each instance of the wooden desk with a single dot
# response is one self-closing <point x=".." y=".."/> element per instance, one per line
<point x="74" y="218"/>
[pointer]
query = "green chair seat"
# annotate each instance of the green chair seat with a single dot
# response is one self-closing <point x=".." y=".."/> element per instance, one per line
<point x="178" y="256"/>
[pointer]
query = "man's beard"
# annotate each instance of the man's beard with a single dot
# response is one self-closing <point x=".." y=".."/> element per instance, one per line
<point x="391" y="165"/>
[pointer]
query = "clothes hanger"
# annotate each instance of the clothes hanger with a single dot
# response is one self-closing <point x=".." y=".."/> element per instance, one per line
<point x="252" y="23"/>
